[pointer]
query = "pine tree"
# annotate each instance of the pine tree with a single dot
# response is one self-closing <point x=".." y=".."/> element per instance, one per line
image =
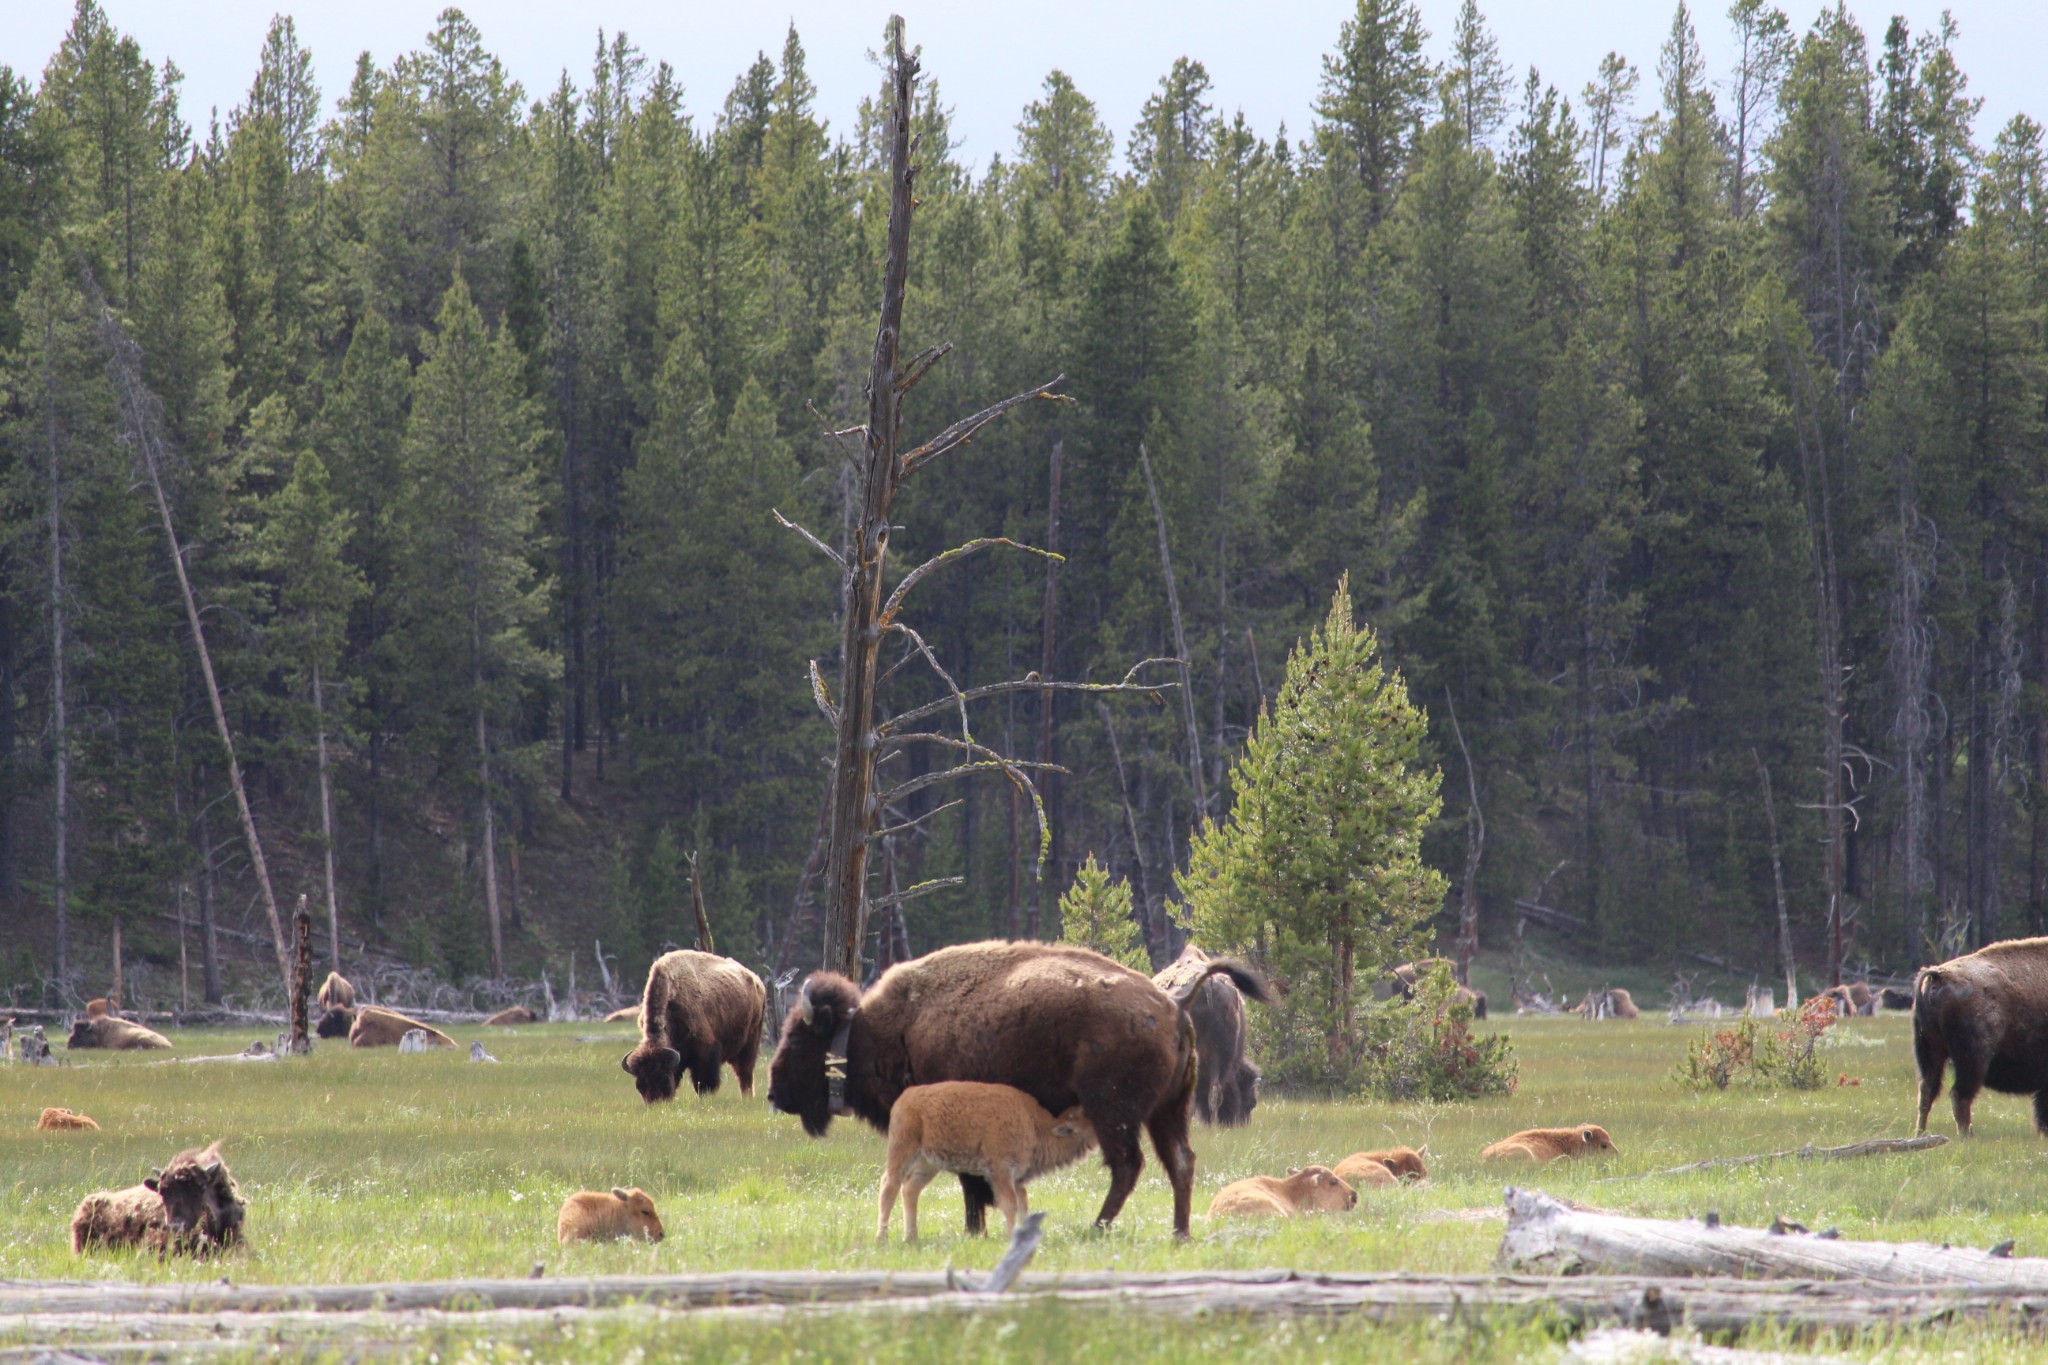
<point x="1096" y="912"/>
<point x="1172" y="140"/>
<point x="1376" y="91"/>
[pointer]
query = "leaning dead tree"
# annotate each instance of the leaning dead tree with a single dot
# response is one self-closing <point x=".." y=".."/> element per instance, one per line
<point x="872" y="620"/>
<point x="141" y="421"/>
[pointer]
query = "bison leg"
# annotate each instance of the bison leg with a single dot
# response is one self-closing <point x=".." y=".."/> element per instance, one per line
<point x="1121" y="1154"/>
<point x="1206" y="1086"/>
<point x="913" y="1186"/>
<point x="1930" y="1054"/>
<point x="1169" y="1129"/>
<point x="1010" y="1199"/>
<point x="743" y="1065"/>
<point x="704" y="1070"/>
<point x="978" y="1196"/>
<point x="892" y="1184"/>
<point x="2041" y="1113"/>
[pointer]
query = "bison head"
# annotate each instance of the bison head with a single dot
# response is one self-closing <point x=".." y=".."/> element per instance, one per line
<point x="1596" y="1139"/>
<point x="83" y="1034"/>
<point x="335" y="1022"/>
<point x="656" y="1071"/>
<point x="202" y="1203"/>
<point x="813" y="1038"/>
<point x="641" y="1218"/>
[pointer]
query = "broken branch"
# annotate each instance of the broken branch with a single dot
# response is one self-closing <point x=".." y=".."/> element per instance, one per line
<point x="939" y="561"/>
<point x="816" y="543"/>
<point x="963" y="431"/>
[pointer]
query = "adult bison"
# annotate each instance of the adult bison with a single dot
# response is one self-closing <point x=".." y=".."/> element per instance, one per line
<point x="1987" y="1012"/>
<point x="700" y="1012"/>
<point x="1226" y="1082"/>
<point x="1064" y="1025"/>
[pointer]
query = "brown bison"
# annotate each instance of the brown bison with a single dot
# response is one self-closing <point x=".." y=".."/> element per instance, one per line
<point x="1404" y="1163"/>
<point x="1362" y="1172"/>
<point x="1226" y="1082"/>
<point x="1409" y="975"/>
<point x="1550" y="1144"/>
<point x="506" y="1018"/>
<point x="376" y="1026"/>
<point x="1614" y="1003"/>
<point x="112" y="1031"/>
<point x="993" y="1131"/>
<point x="1064" y="1025"/>
<point x="62" y="1119"/>
<point x="700" y="1012"/>
<point x="1851" y="998"/>
<point x="1311" y="1189"/>
<point x="99" y="1009"/>
<point x="1892" y="998"/>
<point x="594" y="1216"/>
<point x="622" y="1014"/>
<point x="335" y="1022"/>
<point x="1986" y="1012"/>
<point x="336" y="993"/>
<point x="191" y="1206"/>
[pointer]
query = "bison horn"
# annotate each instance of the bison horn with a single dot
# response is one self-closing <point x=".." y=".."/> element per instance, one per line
<point x="804" y="1006"/>
<point x="626" y="1064"/>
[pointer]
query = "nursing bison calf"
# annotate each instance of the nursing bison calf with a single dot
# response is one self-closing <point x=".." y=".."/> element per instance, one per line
<point x="191" y="1207"/>
<point x="1986" y="1012"/>
<point x="1311" y="1189"/>
<point x="115" y="1033"/>
<point x="1550" y="1144"/>
<point x="1064" y="1025"/>
<point x="595" y="1216"/>
<point x="700" y="1012"/>
<point x="993" y="1131"/>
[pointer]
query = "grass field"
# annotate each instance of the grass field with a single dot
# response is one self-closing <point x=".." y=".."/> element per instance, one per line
<point x="372" y="1166"/>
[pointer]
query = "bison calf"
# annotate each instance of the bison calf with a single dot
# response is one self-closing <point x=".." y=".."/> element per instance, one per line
<point x="594" y="1216"/>
<point x="1403" y="1163"/>
<point x="65" y="1119"/>
<point x="506" y="1018"/>
<point x="967" y="1127"/>
<point x="1987" y="1012"/>
<point x="192" y="1206"/>
<point x="1309" y="1189"/>
<point x="1550" y="1144"/>
<point x="336" y="993"/>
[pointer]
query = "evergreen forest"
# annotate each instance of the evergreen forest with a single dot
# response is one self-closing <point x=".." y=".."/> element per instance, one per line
<point x="1683" y="441"/>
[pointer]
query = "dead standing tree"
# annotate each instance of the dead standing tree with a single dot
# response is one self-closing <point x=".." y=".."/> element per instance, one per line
<point x="881" y="470"/>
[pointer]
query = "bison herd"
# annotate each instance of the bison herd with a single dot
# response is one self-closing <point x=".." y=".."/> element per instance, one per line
<point x="999" y="1062"/>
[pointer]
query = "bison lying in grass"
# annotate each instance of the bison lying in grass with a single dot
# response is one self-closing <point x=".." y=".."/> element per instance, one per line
<point x="595" y="1216"/>
<point x="378" y="1027"/>
<point x="64" y="1119"/>
<point x="115" y="1033"/>
<point x="1550" y="1144"/>
<point x="1402" y="1163"/>
<point x="992" y="1131"/>
<point x="1310" y="1189"/>
<point x="1064" y="1025"/>
<point x="190" y="1207"/>
<point x="1986" y="1012"/>
<point x="700" y="1012"/>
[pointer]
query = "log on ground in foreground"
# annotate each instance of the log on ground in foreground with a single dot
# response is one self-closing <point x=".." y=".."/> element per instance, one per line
<point x="1546" y="1234"/>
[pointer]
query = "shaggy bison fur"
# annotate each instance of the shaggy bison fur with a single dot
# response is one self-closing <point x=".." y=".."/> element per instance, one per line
<point x="1987" y="1014"/>
<point x="1064" y="1025"/>
<point x="113" y="1032"/>
<point x="597" y="1216"/>
<point x="379" y="1027"/>
<point x="335" y="1022"/>
<point x="700" y="1012"/>
<point x="1550" y="1144"/>
<point x="1311" y="1189"/>
<point x="192" y="1206"/>
<point x="1226" y="1082"/>
<point x="336" y="993"/>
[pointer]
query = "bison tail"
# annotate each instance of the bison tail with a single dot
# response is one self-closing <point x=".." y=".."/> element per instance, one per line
<point x="1248" y="981"/>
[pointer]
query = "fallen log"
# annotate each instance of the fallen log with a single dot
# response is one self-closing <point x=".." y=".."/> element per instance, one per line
<point x="1874" y="1147"/>
<point x="1546" y="1234"/>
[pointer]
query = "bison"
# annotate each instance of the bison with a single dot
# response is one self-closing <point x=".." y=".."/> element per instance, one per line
<point x="1226" y="1082"/>
<point x="191" y="1206"/>
<point x="1409" y="975"/>
<point x="622" y="1014"/>
<point x="99" y="1009"/>
<point x="113" y="1032"/>
<point x="1065" y="1025"/>
<point x="1402" y="1162"/>
<point x="1362" y="1171"/>
<point x="700" y="1012"/>
<point x="1986" y="1012"/>
<point x="63" y="1119"/>
<point x="1310" y="1189"/>
<point x="1550" y="1144"/>
<point x="335" y="1022"/>
<point x="593" y="1216"/>
<point x="506" y="1018"/>
<point x="336" y="993"/>
<point x="376" y="1026"/>
<point x="992" y="1131"/>
<point x="1851" y="998"/>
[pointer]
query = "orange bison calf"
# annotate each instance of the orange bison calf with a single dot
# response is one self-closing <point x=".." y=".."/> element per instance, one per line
<point x="113" y="1032"/>
<point x="594" y="1216"/>
<point x="506" y="1018"/>
<point x="65" y="1118"/>
<point x="1310" y="1189"/>
<point x="1403" y="1163"/>
<point x="192" y="1206"/>
<point x="1550" y="1144"/>
<point x="967" y="1127"/>
<point x="379" y="1027"/>
<point x="336" y="993"/>
<point x="1987" y="1012"/>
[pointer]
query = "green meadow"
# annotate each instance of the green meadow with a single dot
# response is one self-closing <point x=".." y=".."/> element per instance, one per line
<point x="373" y="1166"/>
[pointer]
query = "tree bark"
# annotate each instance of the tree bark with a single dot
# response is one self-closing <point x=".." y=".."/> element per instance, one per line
<point x="301" y="1041"/>
<point x="1045" y="665"/>
<point x="1180" y="643"/>
<point x="209" y="940"/>
<point x="697" y="908"/>
<point x="1785" y="959"/>
<point x="327" y="821"/>
<point x="60" y="734"/>
<point x="1151" y="918"/>
<point x="1475" y="849"/>
<point x="488" y="812"/>
<point x="114" y="992"/>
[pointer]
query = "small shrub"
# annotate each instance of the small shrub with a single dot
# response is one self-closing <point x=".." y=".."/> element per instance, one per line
<point x="1425" y="1050"/>
<point x="1769" y="1057"/>
<point x="1097" y="913"/>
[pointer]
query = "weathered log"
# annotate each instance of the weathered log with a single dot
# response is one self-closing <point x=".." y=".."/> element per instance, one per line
<point x="1546" y="1234"/>
<point x="1874" y="1147"/>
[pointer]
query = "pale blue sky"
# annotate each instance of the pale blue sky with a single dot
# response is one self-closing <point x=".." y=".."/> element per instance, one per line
<point x="988" y="57"/>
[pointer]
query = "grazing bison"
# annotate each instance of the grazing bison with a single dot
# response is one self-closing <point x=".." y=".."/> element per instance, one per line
<point x="376" y="1026"/>
<point x="1064" y="1025"/>
<point x="1892" y="998"/>
<point x="112" y="1031"/>
<point x="992" y="1131"/>
<point x="1409" y="975"/>
<point x="700" y="1012"/>
<point x="1550" y="1144"/>
<point x="335" y="1022"/>
<point x="1310" y="1189"/>
<point x="1403" y="1162"/>
<point x="336" y="993"/>
<point x="506" y="1018"/>
<point x="594" y="1216"/>
<point x="1987" y="1012"/>
<point x="191" y="1206"/>
<point x="1226" y="1082"/>
<point x="61" y="1119"/>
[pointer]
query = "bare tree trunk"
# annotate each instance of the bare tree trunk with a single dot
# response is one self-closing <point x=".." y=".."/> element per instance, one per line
<point x="301" y="1041"/>
<point x="60" y="733"/>
<point x="489" y="813"/>
<point x="139" y="409"/>
<point x="1045" y="664"/>
<point x="376" y="748"/>
<point x="327" y="821"/>
<point x="115" y="993"/>
<point x="1785" y="959"/>
<point x="1180" y="641"/>
<point x="209" y="941"/>
<point x="1475" y="849"/>
<point x="697" y="908"/>
<point x="1151" y="918"/>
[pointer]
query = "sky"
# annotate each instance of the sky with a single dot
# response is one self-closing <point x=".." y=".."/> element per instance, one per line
<point x="990" y="57"/>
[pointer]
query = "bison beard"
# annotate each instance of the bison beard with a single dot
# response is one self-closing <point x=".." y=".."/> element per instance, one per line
<point x="1062" y="1024"/>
